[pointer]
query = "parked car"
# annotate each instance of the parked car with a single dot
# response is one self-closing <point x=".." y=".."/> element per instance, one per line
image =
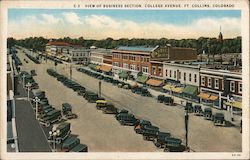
<point x="140" y="124"/>
<point x="80" y="148"/>
<point x="81" y="92"/>
<point x="168" y="100"/>
<point x="173" y="145"/>
<point x="150" y="132"/>
<point x="91" y="96"/>
<point x="219" y="119"/>
<point x="160" y="98"/>
<point x="198" y="111"/>
<point x="67" y="111"/>
<point x="33" y="72"/>
<point x="109" y="109"/>
<point x="189" y="107"/>
<point x="208" y="113"/>
<point x="101" y="104"/>
<point x="52" y="116"/>
<point x="70" y="143"/>
<point x="126" y="119"/>
<point x="160" y="139"/>
<point x="62" y="130"/>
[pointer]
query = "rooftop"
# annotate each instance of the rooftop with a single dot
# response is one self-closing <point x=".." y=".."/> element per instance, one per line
<point x="58" y="43"/>
<point x="137" y="48"/>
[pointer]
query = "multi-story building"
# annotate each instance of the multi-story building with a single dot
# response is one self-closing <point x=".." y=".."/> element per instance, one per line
<point x="221" y="88"/>
<point x="54" y="48"/>
<point x="79" y="55"/>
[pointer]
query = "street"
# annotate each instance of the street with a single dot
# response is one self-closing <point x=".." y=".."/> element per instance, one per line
<point x="102" y="132"/>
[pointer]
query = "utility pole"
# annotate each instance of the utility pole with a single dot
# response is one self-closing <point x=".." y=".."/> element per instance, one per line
<point x="100" y="88"/>
<point x="70" y="71"/>
<point x="186" y="127"/>
<point x="36" y="100"/>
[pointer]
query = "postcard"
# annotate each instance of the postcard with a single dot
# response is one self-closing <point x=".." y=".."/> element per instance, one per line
<point x="124" y="79"/>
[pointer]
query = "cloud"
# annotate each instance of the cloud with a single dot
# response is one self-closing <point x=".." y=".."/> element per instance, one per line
<point x="102" y="26"/>
<point x="72" y="18"/>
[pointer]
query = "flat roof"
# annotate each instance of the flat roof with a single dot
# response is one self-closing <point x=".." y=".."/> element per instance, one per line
<point x="137" y="48"/>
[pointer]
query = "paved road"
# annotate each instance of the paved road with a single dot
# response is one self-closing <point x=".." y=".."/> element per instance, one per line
<point x="29" y="132"/>
<point x="203" y="135"/>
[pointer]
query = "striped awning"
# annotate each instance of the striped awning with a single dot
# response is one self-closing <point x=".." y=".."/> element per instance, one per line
<point x="168" y="87"/>
<point x="204" y="96"/>
<point x="177" y="89"/>
<point x="154" y="82"/>
<point x="213" y="97"/>
<point x="235" y="104"/>
<point x="105" y="68"/>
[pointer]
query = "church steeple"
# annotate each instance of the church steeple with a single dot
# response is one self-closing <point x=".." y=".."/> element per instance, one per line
<point x="220" y="38"/>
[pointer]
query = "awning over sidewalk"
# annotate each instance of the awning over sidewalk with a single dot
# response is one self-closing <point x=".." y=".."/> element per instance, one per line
<point x="235" y="104"/>
<point x="204" y="96"/>
<point x="191" y="90"/>
<point x="142" y="79"/>
<point x="105" y="68"/>
<point x="92" y="66"/>
<point x="213" y="97"/>
<point x="123" y="74"/>
<point x="154" y="82"/>
<point x="168" y="87"/>
<point x="177" y="89"/>
<point x="97" y="67"/>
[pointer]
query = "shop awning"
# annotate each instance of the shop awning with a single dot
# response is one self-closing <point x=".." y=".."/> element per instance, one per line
<point x="97" y="67"/>
<point x="105" y="68"/>
<point x="142" y="79"/>
<point x="213" y="97"/>
<point x="168" y="87"/>
<point x="92" y="66"/>
<point x="191" y="90"/>
<point x="123" y="74"/>
<point x="204" y="96"/>
<point x="177" y="89"/>
<point x="154" y="82"/>
<point x="235" y="104"/>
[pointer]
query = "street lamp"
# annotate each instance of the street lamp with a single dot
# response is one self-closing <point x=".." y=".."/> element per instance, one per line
<point x="100" y="88"/>
<point x="23" y="76"/>
<point x="37" y="100"/>
<point x="28" y="86"/>
<point x="186" y="127"/>
<point x="54" y="134"/>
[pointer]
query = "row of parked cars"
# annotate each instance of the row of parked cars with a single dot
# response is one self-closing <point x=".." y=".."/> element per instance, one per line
<point x="35" y="60"/>
<point x="217" y="118"/>
<point x="143" y="91"/>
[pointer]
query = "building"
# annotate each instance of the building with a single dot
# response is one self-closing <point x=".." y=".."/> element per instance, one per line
<point x="148" y="61"/>
<point x="221" y="88"/>
<point x="79" y="55"/>
<point x="54" y="48"/>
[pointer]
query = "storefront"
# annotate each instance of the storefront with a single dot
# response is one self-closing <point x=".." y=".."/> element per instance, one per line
<point x="190" y="92"/>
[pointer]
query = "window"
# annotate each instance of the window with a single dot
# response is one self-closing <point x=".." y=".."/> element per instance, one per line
<point x="125" y="65"/>
<point x="203" y="81"/>
<point x="132" y="58"/>
<point x="116" y="64"/>
<point x="170" y="73"/>
<point x="184" y="76"/>
<point x="232" y="86"/>
<point x="190" y="77"/>
<point x="160" y="71"/>
<point x="209" y="82"/>
<point x="240" y="87"/>
<point x="174" y="74"/>
<point x="216" y="83"/>
<point x="154" y="69"/>
<point x="124" y="56"/>
<point x="166" y="72"/>
<point x="195" y="78"/>
<point x="145" y="69"/>
<point x="133" y="67"/>
<point x="179" y="74"/>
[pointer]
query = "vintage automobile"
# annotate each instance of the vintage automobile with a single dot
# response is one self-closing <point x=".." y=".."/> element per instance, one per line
<point x="126" y="119"/>
<point x="219" y="119"/>
<point x="149" y="132"/>
<point x="33" y="72"/>
<point x="80" y="148"/>
<point x="189" y="107"/>
<point x="160" y="98"/>
<point x="109" y="109"/>
<point x="207" y="113"/>
<point x="67" y="111"/>
<point x="168" y="100"/>
<point x="101" y="104"/>
<point x="70" y="143"/>
<point x="51" y="117"/>
<point x="159" y="141"/>
<point x="62" y="132"/>
<point x="140" y="124"/>
<point x="198" y="110"/>
<point x="81" y="92"/>
<point x="91" y="97"/>
<point x="173" y="145"/>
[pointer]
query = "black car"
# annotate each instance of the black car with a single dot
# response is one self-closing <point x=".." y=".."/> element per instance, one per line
<point x="91" y="96"/>
<point x="160" y="139"/>
<point x="168" y="100"/>
<point x="109" y="109"/>
<point x="140" y="124"/>
<point x="219" y="119"/>
<point x="173" y="145"/>
<point x="126" y="119"/>
<point x="208" y="113"/>
<point x="81" y="92"/>
<point x="189" y="107"/>
<point x="149" y="132"/>
<point x="160" y="98"/>
<point x="198" y="111"/>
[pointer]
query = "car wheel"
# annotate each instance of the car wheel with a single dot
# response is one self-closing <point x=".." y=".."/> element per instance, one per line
<point x="47" y="124"/>
<point x="137" y="131"/>
<point x="158" y="145"/>
<point x="59" y="118"/>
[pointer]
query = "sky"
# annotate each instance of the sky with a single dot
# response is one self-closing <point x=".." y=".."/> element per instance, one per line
<point x="101" y="24"/>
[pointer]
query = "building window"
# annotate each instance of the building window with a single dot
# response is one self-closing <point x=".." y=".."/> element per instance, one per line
<point x="132" y="58"/>
<point x="124" y="56"/>
<point x="166" y="72"/>
<point x="209" y="84"/>
<point x="232" y="86"/>
<point x="190" y="77"/>
<point x="240" y="87"/>
<point x="195" y="78"/>
<point x="216" y="83"/>
<point x="160" y="71"/>
<point x="116" y="64"/>
<point x="125" y="65"/>
<point x="179" y="75"/>
<point x="154" y="70"/>
<point x="174" y="74"/>
<point x="145" y="69"/>
<point x="184" y="76"/>
<point x="203" y="81"/>
<point x="170" y="73"/>
<point x="133" y="67"/>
